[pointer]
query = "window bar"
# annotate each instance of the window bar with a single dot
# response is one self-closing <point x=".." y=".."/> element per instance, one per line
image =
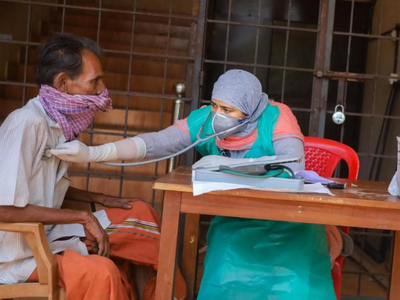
<point x="153" y="192"/>
<point x="257" y="37"/>
<point x="165" y="68"/>
<point x="128" y="88"/>
<point x="88" y="176"/>
<point x="374" y="99"/>
<point x="308" y="110"/>
<point x="362" y="115"/>
<point x="350" y="36"/>
<point x="95" y="9"/>
<point x="373" y="274"/>
<point x="390" y="254"/>
<point x="28" y="28"/>
<point x="105" y="50"/>
<point x="63" y="16"/>
<point x="279" y="27"/>
<point x="360" y="270"/>
<point x="369" y="161"/>
<point x="228" y="26"/>
<point x="116" y="92"/>
<point x="195" y="67"/>
<point x="372" y="233"/>
<point x="21" y="43"/>
<point x="113" y="175"/>
<point x="376" y="155"/>
<point x="322" y="63"/>
<point x="221" y="62"/>
<point x="371" y="16"/>
<point x="171" y="56"/>
<point x="341" y="99"/>
<point x="200" y="9"/>
<point x="270" y="46"/>
<point x="286" y="52"/>
<point x="364" y="35"/>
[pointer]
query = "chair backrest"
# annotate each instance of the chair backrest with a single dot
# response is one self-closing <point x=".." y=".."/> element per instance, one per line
<point x="323" y="155"/>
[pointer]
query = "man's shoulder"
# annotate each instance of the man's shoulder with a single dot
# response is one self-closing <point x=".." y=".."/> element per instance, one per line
<point x="28" y="115"/>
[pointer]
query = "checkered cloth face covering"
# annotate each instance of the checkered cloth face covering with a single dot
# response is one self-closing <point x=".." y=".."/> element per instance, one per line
<point x="72" y="112"/>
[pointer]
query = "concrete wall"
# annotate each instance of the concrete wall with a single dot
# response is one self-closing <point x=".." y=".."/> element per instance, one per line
<point x="178" y="6"/>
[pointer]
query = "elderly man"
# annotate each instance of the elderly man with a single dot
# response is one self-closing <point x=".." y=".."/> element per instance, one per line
<point x="32" y="187"/>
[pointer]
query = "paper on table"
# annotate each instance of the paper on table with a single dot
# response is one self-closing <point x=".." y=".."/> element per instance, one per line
<point x="201" y="187"/>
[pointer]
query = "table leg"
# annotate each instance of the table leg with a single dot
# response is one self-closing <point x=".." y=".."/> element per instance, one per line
<point x="168" y="245"/>
<point x="189" y="258"/>
<point x="395" y="278"/>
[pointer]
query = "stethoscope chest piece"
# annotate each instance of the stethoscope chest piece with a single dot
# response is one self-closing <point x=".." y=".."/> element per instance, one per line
<point x="46" y="153"/>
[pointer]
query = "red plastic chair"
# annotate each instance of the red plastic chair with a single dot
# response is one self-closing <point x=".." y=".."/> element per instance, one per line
<point x="323" y="156"/>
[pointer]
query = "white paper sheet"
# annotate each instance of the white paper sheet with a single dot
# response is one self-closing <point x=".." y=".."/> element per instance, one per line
<point x="66" y="230"/>
<point x="201" y="187"/>
<point x="73" y="244"/>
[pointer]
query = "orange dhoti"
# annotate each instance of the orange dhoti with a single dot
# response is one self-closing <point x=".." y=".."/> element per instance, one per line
<point x="134" y="237"/>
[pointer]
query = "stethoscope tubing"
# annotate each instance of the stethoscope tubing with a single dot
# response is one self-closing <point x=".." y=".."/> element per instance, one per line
<point x="198" y="141"/>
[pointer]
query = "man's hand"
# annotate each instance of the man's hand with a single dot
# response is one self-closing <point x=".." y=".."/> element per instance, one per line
<point x="74" y="151"/>
<point x="97" y="237"/>
<point x="115" y="202"/>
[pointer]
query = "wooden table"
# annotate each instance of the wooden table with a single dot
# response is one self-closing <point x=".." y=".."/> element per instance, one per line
<point x="363" y="204"/>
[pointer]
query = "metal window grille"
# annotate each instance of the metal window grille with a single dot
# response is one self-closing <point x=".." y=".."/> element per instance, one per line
<point x="313" y="55"/>
<point x="148" y="48"/>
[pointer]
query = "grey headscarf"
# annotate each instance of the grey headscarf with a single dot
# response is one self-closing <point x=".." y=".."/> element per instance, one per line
<point x="242" y="90"/>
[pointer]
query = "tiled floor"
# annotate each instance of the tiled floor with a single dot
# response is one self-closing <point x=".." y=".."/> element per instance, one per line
<point x="361" y="298"/>
<point x="366" y="286"/>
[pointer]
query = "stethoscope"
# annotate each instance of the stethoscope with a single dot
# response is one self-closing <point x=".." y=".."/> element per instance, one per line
<point x="47" y="155"/>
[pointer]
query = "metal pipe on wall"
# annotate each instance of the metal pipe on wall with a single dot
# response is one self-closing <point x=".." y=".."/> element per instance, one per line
<point x="179" y="89"/>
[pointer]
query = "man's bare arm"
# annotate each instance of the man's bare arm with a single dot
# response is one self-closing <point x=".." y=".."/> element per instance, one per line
<point x="32" y="213"/>
<point x="105" y="200"/>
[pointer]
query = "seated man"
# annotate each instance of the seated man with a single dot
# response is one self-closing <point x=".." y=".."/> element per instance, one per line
<point x="33" y="187"/>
